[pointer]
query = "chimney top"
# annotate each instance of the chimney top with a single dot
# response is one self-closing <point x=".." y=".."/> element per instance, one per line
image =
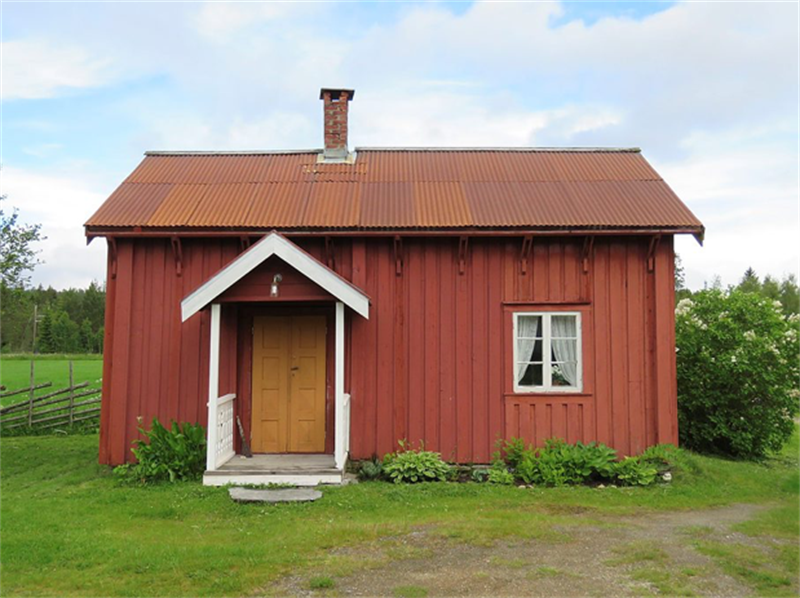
<point x="335" y="106"/>
<point x="336" y="93"/>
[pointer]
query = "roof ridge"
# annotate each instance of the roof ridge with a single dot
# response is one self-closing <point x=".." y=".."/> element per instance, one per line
<point x="571" y="149"/>
<point x="575" y="149"/>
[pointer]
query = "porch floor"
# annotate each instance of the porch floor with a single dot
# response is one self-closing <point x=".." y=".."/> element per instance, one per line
<point x="280" y="464"/>
<point x="298" y="470"/>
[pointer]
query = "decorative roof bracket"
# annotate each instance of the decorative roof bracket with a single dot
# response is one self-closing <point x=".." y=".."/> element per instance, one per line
<point x="527" y="245"/>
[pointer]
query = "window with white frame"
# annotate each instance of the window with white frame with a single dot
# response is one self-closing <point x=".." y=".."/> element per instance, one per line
<point x="547" y="352"/>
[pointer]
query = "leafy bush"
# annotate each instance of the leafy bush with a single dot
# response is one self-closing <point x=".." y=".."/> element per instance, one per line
<point x="177" y="453"/>
<point x="411" y="466"/>
<point x="661" y="456"/>
<point x="499" y="474"/>
<point x="479" y="475"/>
<point x="370" y="470"/>
<point x="559" y="463"/>
<point x="738" y="373"/>
<point x="633" y="471"/>
<point x="514" y="451"/>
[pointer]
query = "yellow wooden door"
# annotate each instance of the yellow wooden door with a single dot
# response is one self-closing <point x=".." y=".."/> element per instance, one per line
<point x="288" y="385"/>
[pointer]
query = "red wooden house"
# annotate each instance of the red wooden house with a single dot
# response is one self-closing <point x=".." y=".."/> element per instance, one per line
<point x="335" y="302"/>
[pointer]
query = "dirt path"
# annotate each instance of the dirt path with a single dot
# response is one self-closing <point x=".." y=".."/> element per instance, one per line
<point x="601" y="556"/>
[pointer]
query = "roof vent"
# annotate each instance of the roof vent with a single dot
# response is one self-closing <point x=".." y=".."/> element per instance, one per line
<point x="335" y="102"/>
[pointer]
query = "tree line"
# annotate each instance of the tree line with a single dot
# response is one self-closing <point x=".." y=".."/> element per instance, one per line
<point x="785" y="290"/>
<point x="68" y="321"/>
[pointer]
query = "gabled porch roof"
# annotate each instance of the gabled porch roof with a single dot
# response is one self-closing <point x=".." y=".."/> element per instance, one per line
<point x="278" y="245"/>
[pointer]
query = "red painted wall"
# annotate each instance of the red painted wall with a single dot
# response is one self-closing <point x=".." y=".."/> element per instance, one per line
<point x="433" y="362"/>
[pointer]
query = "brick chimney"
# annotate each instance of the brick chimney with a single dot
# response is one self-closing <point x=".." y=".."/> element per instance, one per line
<point x="335" y="103"/>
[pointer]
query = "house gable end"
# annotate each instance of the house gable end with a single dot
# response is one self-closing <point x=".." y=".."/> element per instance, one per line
<point x="275" y="244"/>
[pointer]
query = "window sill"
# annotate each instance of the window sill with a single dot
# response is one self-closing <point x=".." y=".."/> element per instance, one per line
<point x="548" y="395"/>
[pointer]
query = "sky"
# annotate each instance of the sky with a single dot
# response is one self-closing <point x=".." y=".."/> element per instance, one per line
<point x="708" y="90"/>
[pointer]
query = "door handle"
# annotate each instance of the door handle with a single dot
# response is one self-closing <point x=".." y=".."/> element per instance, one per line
<point x="295" y="368"/>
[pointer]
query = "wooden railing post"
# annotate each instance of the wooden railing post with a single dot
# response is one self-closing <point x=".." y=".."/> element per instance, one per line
<point x="71" y="395"/>
<point x="30" y="396"/>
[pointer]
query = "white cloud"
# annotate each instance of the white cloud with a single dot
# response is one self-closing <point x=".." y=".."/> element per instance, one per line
<point x="744" y="189"/>
<point x="34" y="69"/>
<point x="60" y="203"/>
<point x="708" y="90"/>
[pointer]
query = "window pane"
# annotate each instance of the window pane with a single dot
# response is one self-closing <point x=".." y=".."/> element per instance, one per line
<point x="529" y="350"/>
<point x="565" y="374"/>
<point x="564" y="327"/>
<point x="530" y="374"/>
<point x="529" y="327"/>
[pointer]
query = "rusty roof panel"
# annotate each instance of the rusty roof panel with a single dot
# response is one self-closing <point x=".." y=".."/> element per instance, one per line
<point x="278" y="205"/>
<point x="130" y="205"/>
<point x="334" y="205"/>
<point x="387" y="205"/>
<point x="225" y="204"/>
<point x="178" y="206"/>
<point x="441" y="205"/>
<point x="397" y="189"/>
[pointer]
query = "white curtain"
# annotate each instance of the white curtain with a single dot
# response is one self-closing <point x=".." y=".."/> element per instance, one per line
<point x="566" y="351"/>
<point x="527" y="326"/>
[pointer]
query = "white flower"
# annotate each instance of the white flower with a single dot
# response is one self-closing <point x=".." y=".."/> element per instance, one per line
<point x="777" y="305"/>
<point x="750" y="335"/>
<point x="733" y="358"/>
<point x="683" y="307"/>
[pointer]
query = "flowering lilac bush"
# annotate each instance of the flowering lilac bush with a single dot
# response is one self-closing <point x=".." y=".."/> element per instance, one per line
<point x="738" y="373"/>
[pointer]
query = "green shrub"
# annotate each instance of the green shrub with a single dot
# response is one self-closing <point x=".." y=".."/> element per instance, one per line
<point x="514" y="451"/>
<point x="661" y="456"/>
<point x="370" y="470"/>
<point x="559" y="463"/>
<point x="412" y="466"/>
<point x="499" y="474"/>
<point x="633" y="471"/>
<point x="479" y="475"/>
<point x="737" y="373"/>
<point x="177" y="453"/>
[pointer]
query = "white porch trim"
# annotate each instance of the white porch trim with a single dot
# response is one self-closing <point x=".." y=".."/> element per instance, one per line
<point x="275" y="244"/>
<point x="222" y="428"/>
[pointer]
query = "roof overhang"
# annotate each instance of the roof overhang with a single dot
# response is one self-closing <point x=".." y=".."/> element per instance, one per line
<point x="275" y="244"/>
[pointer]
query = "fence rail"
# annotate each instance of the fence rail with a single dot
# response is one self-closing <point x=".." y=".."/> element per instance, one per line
<point x="53" y="409"/>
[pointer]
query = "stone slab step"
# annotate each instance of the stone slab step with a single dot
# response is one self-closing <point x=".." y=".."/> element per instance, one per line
<point x="274" y="496"/>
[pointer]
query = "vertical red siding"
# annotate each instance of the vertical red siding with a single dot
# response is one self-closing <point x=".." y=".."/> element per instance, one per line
<point x="433" y="362"/>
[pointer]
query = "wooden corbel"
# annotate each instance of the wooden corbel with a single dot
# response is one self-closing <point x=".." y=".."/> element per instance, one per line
<point x="463" y="246"/>
<point x="651" y="252"/>
<point x="586" y="253"/>
<point x="527" y="245"/>
<point x="398" y="255"/>
<point x="330" y="253"/>
<point x="177" y="252"/>
<point x="244" y="243"/>
<point x="112" y="252"/>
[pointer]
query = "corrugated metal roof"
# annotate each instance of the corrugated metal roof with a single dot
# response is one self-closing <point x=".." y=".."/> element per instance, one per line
<point x="397" y="189"/>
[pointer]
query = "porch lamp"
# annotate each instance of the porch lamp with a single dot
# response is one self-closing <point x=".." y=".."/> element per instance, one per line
<point x="273" y="289"/>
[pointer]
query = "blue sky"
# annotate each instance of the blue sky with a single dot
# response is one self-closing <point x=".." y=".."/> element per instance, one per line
<point x="708" y="90"/>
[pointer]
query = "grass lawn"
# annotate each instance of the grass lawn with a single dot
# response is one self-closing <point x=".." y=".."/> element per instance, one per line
<point x="15" y="371"/>
<point x="69" y="528"/>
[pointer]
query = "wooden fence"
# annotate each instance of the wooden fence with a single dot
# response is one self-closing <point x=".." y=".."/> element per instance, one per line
<point x="51" y="408"/>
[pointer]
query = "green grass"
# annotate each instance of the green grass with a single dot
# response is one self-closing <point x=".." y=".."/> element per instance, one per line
<point x="70" y="529"/>
<point x="15" y="371"/>
<point x="638" y="552"/>
<point x="321" y="583"/>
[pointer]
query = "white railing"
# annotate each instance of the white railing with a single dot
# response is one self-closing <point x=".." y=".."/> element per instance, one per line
<point x="221" y="430"/>
<point x="342" y="441"/>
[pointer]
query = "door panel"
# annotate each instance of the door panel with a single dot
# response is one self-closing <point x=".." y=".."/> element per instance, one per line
<point x="271" y="351"/>
<point x="288" y="385"/>
<point x="307" y="404"/>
